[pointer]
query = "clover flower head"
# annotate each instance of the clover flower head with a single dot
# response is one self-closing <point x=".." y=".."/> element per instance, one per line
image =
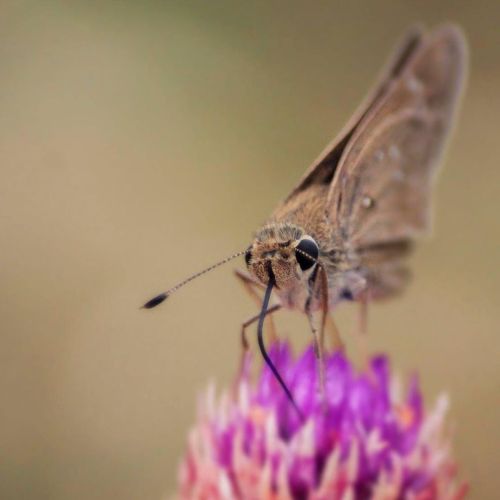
<point x="362" y="439"/>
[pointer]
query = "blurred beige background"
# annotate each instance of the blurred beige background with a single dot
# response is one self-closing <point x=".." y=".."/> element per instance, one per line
<point x="140" y="141"/>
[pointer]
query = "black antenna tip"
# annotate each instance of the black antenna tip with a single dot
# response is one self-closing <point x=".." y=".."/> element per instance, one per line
<point x="155" y="301"/>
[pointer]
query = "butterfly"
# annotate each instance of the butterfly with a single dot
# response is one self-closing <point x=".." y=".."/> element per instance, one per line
<point x="345" y="230"/>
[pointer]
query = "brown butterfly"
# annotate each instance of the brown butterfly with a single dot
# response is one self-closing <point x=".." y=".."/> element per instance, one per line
<point x="344" y="231"/>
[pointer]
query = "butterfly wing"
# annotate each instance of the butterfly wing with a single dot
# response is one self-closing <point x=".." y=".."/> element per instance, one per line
<point x="380" y="193"/>
<point x="367" y="196"/>
<point x="321" y="172"/>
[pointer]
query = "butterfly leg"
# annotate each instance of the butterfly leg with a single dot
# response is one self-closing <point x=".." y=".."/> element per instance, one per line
<point x="319" y="292"/>
<point x="336" y="339"/>
<point x="318" y="348"/>
<point x="363" y="316"/>
<point x="362" y="333"/>
<point x="244" y="341"/>
<point x="251" y="321"/>
<point x="328" y="321"/>
<point x="251" y="286"/>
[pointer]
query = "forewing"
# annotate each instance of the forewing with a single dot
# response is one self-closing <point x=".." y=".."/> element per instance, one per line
<point x="322" y="170"/>
<point x="381" y="189"/>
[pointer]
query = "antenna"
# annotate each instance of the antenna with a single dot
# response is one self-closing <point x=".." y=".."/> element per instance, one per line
<point x="155" y="301"/>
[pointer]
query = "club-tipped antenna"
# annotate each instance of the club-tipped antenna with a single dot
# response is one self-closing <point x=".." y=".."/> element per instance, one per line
<point x="158" y="299"/>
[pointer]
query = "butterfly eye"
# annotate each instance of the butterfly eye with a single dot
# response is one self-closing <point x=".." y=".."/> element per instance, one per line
<point x="248" y="256"/>
<point x="309" y="247"/>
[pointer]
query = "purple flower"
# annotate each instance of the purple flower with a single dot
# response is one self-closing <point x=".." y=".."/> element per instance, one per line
<point x="363" y="439"/>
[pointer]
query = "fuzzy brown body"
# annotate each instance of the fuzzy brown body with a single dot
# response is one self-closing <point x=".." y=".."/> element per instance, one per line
<point x="367" y="198"/>
<point x="349" y="273"/>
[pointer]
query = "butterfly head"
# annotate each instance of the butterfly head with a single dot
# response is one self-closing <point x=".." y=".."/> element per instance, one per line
<point x="283" y="252"/>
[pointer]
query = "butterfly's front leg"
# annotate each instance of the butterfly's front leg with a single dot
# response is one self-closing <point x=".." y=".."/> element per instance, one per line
<point x="252" y="320"/>
<point x="316" y="308"/>
<point x="318" y="347"/>
<point x="336" y="339"/>
<point x="362" y="329"/>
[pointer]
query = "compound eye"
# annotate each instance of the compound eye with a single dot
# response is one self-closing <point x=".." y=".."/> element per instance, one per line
<point x="248" y="256"/>
<point x="307" y="246"/>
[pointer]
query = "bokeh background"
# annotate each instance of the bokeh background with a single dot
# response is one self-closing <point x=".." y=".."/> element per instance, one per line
<point x="141" y="141"/>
